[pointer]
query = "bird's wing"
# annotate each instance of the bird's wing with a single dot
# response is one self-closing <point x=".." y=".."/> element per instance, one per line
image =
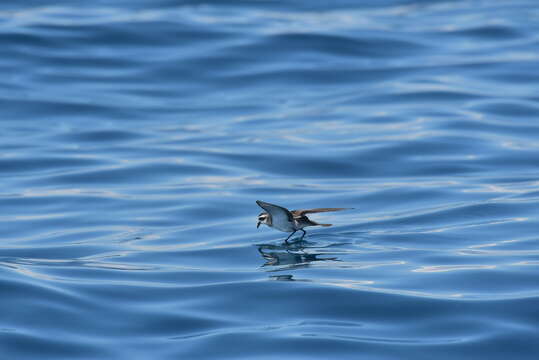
<point x="318" y="210"/>
<point x="278" y="213"/>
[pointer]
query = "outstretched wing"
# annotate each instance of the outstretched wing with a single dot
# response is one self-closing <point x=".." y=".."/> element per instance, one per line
<point x="318" y="210"/>
<point x="278" y="213"/>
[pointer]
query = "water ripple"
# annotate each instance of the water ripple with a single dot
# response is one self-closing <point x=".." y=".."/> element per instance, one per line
<point x="137" y="136"/>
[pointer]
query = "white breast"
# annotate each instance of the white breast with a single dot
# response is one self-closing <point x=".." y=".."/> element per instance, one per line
<point x="283" y="224"/>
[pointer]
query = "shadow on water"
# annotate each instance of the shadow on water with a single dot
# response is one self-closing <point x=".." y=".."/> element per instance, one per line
<point x="295" y="255"/>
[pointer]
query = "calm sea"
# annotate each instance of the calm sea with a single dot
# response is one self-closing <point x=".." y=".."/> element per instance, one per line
<point x="135" y="137"/>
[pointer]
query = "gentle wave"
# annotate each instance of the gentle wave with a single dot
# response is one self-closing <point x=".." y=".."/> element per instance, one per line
<point x="137" y="138"/>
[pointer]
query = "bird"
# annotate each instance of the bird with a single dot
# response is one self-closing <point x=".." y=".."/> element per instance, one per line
<point x="285" y="220"/>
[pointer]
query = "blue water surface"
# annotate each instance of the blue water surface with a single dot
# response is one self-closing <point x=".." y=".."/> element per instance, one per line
<point x="137" y="135"/>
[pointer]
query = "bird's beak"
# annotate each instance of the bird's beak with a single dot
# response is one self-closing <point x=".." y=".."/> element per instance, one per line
<point x="257" y="224"/>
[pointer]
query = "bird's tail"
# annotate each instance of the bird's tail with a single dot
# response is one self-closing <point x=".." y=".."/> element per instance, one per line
<point x="314" y="223"/>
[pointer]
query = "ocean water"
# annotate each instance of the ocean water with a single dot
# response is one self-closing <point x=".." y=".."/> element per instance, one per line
<point x="137" y="135"/>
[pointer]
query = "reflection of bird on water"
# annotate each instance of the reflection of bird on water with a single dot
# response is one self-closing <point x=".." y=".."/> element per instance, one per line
<point x="289" y="256"/>
<point x="283" y="277"/>
<point x="282" y="219"/>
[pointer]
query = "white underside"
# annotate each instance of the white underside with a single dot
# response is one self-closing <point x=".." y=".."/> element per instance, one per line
<point x="285" y="226"/>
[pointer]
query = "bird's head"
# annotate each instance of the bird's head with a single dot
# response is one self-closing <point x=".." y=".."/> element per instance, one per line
<point x="263" y="218"/>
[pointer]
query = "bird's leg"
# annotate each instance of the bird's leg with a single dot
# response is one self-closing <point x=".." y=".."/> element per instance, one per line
<point x="304" y="233"/>
<point x="289" y="236"/>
